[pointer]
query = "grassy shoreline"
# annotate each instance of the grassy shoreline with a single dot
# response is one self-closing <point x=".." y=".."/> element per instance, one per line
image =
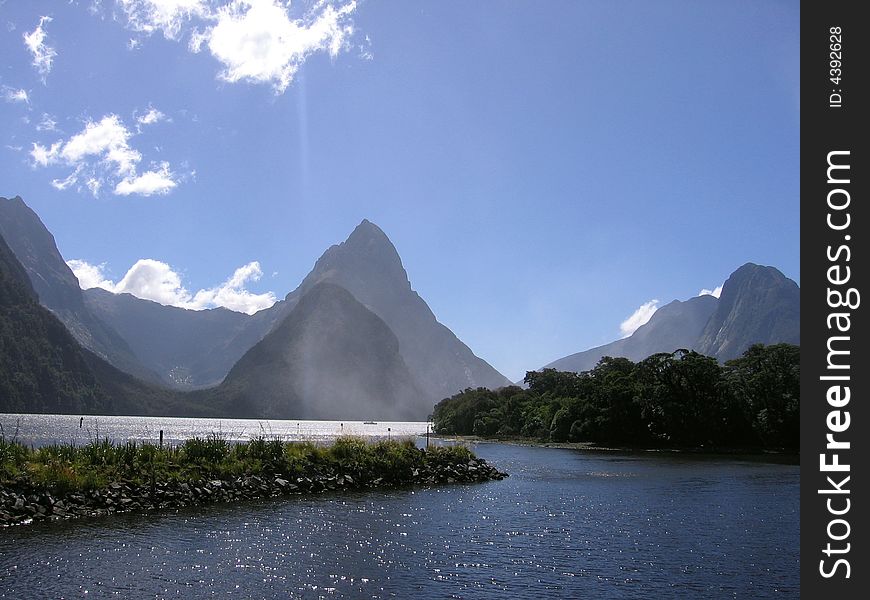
<point x="103" y="477"/>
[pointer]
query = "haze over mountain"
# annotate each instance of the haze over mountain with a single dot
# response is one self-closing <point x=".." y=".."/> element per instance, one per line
<point x="758" y="304"/>
<point x="331" y="358"/>
<point x="368" y="266"/>
<point x="43" y="369"/>
<point x="187" y="348"/>
<point x="301" y="359"/>
<point x="190" y="349"/>
<point x="58" y="289"/>
<point x="199" y="347"/>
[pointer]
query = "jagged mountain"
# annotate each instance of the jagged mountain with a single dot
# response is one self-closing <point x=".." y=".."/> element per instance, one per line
<point x="368" y="265"/>
<point x="194" y="349"/>
<point x="43" y="369"/>
<point x="675" y="325"/>
<point x="758" y="304"/>
<point x="58" y="289"/>
<point x="330" y="358"/>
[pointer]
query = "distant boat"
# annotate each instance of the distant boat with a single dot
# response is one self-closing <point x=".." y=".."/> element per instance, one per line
<point x="370" y="422"/>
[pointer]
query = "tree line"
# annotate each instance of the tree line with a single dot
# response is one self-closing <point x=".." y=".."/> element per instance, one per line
<point x="679" y="399"/>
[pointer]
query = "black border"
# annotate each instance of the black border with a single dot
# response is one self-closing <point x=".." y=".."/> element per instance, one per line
<point x="825" y="129"/>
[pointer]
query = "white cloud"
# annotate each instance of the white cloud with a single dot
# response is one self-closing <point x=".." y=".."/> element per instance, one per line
<point x="43" y="156"/>
<point x="148" y="183"/>
<point x="47" y="123"/>
<point x="167" y="16"/>
<point x="109" y="140"/>
<point x="717" y="291"/>
<point x="101" y="153"/>
<point x="256" y="40"/>
<point x="233" y="295"/>
<point x="152" y="116"/>
<point x="638" y="318"/>
<point x="15" y="95"/>
<point x="62" y="184"/>
<point x="157" y="281"/>
<point x="43" y="55"/>
<point x="90" y="276"/>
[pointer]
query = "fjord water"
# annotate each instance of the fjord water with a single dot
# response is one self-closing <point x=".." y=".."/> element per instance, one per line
<point x="565" y="524"/>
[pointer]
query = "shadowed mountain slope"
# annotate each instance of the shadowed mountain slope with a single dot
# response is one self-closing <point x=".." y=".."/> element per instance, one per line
<point x="758" y="305"/>
<point x="368" y="266"/>
<point x="331" y="358"/>
<point x="58" y="289"/>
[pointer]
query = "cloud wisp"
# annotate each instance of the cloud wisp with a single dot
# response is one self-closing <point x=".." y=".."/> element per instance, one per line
<point x="155" y="280"/>
<point x="166" y="16"/>
<point x="15" y="95"/>
<point x="152" y="116"/>
<point x="101" y="154"/>
<point x="639" y="317"/>
<point x="716" y="291"/>
<point x="43" y="54"/>
<point x="255" y="41"/>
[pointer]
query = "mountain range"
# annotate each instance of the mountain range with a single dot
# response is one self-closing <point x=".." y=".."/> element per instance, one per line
<point x="420" y="359"/>
<point x="352" y="341"/>
<point x="758" y="304"/>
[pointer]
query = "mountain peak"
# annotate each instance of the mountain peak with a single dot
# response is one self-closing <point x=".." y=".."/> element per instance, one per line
<point x="755" y="275"/>
<point x="366" y="263"/>
<point x="758" y="305"/>
<point x="368" y="232"/>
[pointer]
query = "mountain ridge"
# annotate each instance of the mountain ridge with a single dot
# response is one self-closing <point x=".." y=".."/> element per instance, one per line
<point x="58" y="288"/>
<point x="758" y="304"/>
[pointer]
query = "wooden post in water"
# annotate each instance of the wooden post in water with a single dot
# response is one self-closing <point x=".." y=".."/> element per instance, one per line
<point x="389" y="435"/>
<point x="161" y="439"/>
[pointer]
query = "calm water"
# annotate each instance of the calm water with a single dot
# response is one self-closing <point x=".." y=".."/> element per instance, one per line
<point x="565" y="524"/>
<point x="40" y="430"/>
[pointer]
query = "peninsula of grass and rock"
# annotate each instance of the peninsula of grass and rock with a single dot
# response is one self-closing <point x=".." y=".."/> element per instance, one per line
<point x="65" y="481"/>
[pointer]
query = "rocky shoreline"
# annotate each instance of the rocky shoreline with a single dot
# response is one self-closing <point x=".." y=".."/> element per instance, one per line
<point x="22" y="502"/>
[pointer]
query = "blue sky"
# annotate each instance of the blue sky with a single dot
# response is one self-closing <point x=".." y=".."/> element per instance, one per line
<point x="543" y="169"/>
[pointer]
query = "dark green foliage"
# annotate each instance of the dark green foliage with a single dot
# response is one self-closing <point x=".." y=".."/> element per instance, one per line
<point x="681" y="399"/>
<point x="765" y="387"/>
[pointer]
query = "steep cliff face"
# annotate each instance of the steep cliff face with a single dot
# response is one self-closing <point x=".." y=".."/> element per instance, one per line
<point x="42" y="368"/>
<point x="368" y="265"/>
<point x="58" y="289"/>
<point x="758" y="305"/>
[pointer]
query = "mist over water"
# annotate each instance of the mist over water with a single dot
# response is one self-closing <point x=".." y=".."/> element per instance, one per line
<point x="565" y="524"/>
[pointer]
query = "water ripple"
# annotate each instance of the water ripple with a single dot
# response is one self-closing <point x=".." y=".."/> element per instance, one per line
<point x="653" y="526"/>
